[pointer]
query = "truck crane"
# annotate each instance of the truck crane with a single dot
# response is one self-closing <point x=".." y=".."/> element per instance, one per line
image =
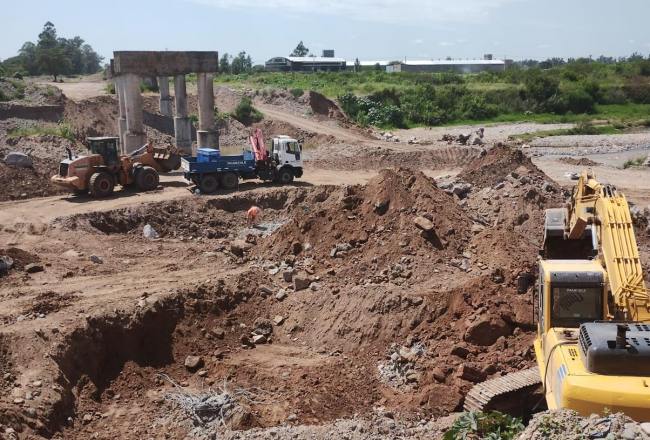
<point x="592" y="311"/>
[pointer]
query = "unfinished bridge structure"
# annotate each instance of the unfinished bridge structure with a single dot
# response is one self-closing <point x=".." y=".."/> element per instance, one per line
<point x="129" y="67"/>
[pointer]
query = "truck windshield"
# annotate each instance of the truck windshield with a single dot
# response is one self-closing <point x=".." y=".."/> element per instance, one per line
<point x="573" y="305"/>
<point x="293" y="147"/>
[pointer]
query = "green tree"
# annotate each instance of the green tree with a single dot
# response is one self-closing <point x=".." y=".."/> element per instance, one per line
<point x="91" y="60"/>
<point x="300" y="50"/>
<point x="50" y="55"/>
<point x="224" y="63"/>
<point x="242" y="63"/>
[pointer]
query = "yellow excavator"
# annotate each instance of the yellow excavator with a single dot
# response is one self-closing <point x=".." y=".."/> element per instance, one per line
<point x="592" y="312"/>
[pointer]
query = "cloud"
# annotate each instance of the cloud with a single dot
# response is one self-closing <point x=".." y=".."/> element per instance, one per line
<point x="418" y="41"/>
<point x="445" y="43"/>
<point x="383" y="11"/>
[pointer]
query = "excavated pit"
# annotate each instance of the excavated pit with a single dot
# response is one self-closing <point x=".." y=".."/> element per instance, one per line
<point x="366" y="310"/>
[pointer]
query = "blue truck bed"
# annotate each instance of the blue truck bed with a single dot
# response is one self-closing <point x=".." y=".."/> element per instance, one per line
<point x="237" y="164"/>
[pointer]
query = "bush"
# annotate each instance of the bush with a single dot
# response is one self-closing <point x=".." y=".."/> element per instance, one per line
<point x="579" y="101"/>
<point x="490" y="425"/>
<point x="110" y="88"/>
<point x="297" y="93"/>
<point x="475" y="107"/>
<point x="246" y="113"/>
<point x="634" y="162"/>
<point x="637" y="90"/>
<point x="541" y="88"/>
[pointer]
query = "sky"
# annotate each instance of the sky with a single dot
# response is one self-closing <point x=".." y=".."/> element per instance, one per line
<point x="364" y="29"/>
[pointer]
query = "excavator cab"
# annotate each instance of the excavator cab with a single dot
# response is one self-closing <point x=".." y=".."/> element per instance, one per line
<point x="107" y="147"/>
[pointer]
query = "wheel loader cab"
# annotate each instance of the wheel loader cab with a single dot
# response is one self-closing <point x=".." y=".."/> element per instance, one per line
<point x="107" y="147"/>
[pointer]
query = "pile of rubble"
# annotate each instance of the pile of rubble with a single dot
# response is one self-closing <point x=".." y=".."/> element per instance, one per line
<point x="474" y="138"/>
<point x="568" y="425"/>
<point x="400" y="370"/>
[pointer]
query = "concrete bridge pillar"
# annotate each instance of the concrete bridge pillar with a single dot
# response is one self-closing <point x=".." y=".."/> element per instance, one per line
<point x="165" y="98"/>
<point x="121" y="120"/>
<point x="134" y="137"/>
<point x="182" y="124"/>
<point x="207" y="135"/>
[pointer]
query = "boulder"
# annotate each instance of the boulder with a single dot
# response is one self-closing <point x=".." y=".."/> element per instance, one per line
<point x="18" y="159"/>
<point x="470" y="373"/>
<point x="300" y="282"/>
<point x="149" y="232"/>
<point x="486" y="330"/>
<point x="240" y="247"/>
<point x="193" y="363"/>
<point x="424" y="224"/>
<point x="33" y="268"/>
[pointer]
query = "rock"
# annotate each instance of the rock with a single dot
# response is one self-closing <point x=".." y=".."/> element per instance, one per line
<point x="19" y="401"/>
<point x="461" y="189"/>
<point x="548" y="187"/>
<point x="645" y="427"/>
<point x="71" y="254"/>
<point x="292" y="418"/>
<point x="278" y="320"/>
<point x="259" y="339"/>
<point x="296" y="247"/>
<point x="149" y="232"/>
<point x="281" y="295"/>
<point x="265" y="291"/>
<point x="485" y="331"/>
<point x="423" y="223"/>
<point x="218" y="332"/>
<point x="18" y="159"/>
<point x="300" y="283"/>
<point x="439" y="374"/>
<point x="381" y="206"/>
<point x="95" y="259"/>
<point x="6" y="263"/>
<point x="629" y="432"/>
<point x="33" y="268"/>
<point x="193" y="363"/>
<point x="246" y="341"/>
<point x="460" y="351"/>
<point x="470" y="373"/>
<point x="87" y="418"/>
<point x="240" y="247"/>
<point x="262" y="327"/>
<point x="287" y="275"/>
<point x="499" y="185"/>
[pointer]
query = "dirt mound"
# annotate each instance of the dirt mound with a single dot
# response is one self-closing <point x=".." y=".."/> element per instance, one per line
<point x="495" y="165"/>
<point x="566" y="424"/>
<point x="20" y="257"/>
<point x="22" y="183"/>
<point x="93" y="117"/>
<point x="324" y="106"/>
<point x="376" y="221"/>
<point x="581" y="161"/>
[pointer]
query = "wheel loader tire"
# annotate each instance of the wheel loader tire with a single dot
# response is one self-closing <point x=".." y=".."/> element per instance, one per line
<point x="101" y="184"/>
<point x="286" y="176"/>
<point x="208" y="183"/>
<point x="229" y="180"/>
<point x="146" y="178"/>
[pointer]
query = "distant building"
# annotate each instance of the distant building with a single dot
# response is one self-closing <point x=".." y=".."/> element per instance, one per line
<point x="455" y="66"/>
<point x="305" y="64"/>
<point x="328" y="53"/>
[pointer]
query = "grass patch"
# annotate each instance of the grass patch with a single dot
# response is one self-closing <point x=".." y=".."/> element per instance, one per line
<point x="60" y="130"/>
<point x="491" y="425"/>
<point x="634" y="162"/>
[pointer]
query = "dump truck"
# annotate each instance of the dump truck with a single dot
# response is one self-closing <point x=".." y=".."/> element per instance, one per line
<point x="98" y="172"/>
<point x="592" y="311"/>
<point x="209" y="170"/>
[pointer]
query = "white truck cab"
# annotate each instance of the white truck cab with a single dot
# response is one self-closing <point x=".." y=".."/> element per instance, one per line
<point x="286" y="152"/>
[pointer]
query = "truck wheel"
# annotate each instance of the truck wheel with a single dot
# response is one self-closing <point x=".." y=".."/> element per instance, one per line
<point x="229" y="180"/>
<point x="286" y="176"/>
<point x="146" y="178"/>
<point x="101" y="184"/>
<point x="208" y="183"/>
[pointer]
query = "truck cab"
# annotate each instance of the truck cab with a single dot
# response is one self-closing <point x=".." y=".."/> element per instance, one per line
<point x="286" y="152"/>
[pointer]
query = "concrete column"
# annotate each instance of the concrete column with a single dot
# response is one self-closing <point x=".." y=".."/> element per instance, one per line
<point x="182" y="124"/>
<point x="165" y="99"/>
<point x="121" y="120"/>
<point x="206" y="135"/>
<point x="134" y="137"/>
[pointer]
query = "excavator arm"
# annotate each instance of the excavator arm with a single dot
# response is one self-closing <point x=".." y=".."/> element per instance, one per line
<point x="607" y="211"/>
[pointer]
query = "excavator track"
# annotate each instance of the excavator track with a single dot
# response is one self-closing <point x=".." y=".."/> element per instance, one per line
<point x="483" y="394"/>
